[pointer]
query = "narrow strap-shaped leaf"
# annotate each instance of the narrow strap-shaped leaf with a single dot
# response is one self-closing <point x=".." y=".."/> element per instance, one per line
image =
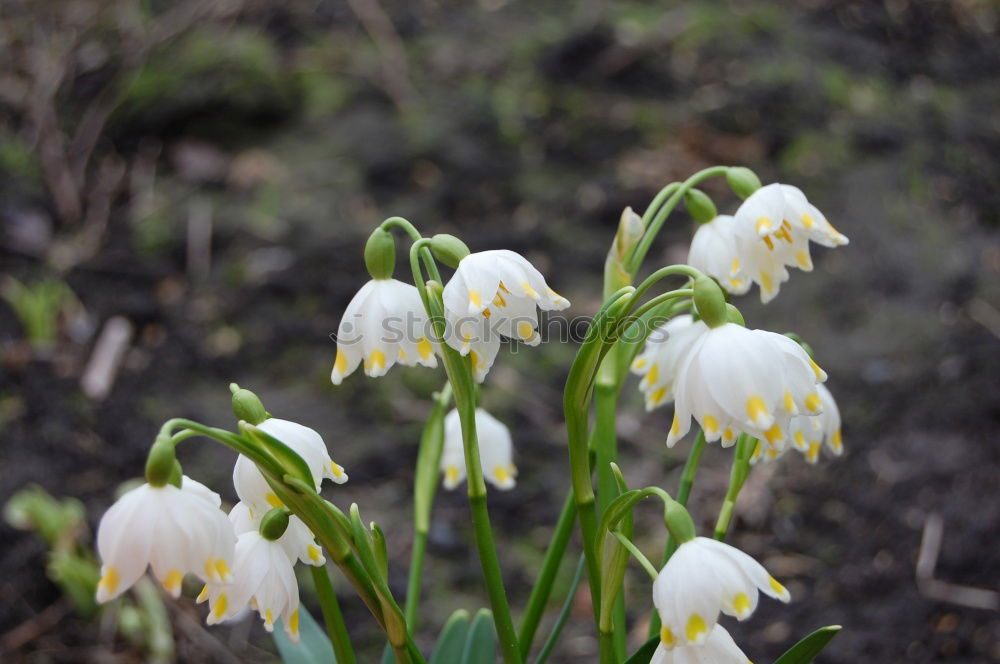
<point x="313" y="646"/>
<point x="806" y="650"/>
<point x="451" y="641"/>
<point x="645" y="652"/>
<point x="481" y="643"/>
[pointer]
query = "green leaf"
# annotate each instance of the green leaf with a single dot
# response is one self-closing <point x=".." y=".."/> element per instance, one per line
<point x="451" y="641"/>
<point x="481" y="644"/>
<point x="806" y="650"/>
<point x="313" y="647"/>
<point x="645" y="653"/>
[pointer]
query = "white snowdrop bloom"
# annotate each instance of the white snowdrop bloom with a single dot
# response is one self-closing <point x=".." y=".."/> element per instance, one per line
<point x="716" y="251"/>
<point x="702" y="578"/>
<point x="495" y="451"/>
<point x="661" y="357"/>
<point x="263" y="578"/>
<point x="735" y="380"/>
<point x="808" y="432"/>
<point x="384" y="323"/>
<point x="780" y="216"/>
<point x="719" y="648"/>
<point x="298" y="541"/>
<point x="253" y="489"/>
<point x="495" y="293"/>
<point x="175" y="531"/>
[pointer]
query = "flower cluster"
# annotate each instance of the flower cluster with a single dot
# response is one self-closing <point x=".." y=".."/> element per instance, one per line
<point x="769" y="233"/>
<point x="492" y="295"/>
<point x="179" y="530"/>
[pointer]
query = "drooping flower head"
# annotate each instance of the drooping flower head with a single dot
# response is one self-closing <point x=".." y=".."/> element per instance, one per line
<point x="719" y="648"/>
<point x="735" y="380"/>
<point x="703" y="578"/>
<point x="716" y="251"/>
<point x="661" y="357"/>
<point x="492" y="294"/>
<point x="780" y="217"/>
<point x="253" y="489"/>
<point x="298" y="541"/>
<point x="263" y="578"/>
<point x="809" y="432"/>
<point x="176" y="531"/>
<point x="495" y="451"/>
<point x="385" y="323"/>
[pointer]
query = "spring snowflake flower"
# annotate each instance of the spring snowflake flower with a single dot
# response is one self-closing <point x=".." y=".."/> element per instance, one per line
<point x="253" y="489"/>
<point x="808" y="433"/>
<point x="495" y="451"/>
<point x="263" y="578"/>
<point x="384" y="323"/>
<point x="716" y="251"/>
<point x="174" y="530"/>
<point x="719" y="648"/>
<point x="702" y="578"/>
<point x="738" y="380"/>
<point x="782" y="218"/>
<point x="662" y="355"/>
<point x="298" y="541"/>
<point x="493" y="294"/>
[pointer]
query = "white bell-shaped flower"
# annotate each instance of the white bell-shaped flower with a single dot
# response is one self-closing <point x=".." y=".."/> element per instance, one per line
<point x="703" y="578"/>
<point x="716" y="251"/>
<point x="809" y="432"/>
<point x="264" y="579"/>
<point x="495" y="294"/>
<point x="298" y="541"/>
<point x="495" y="451"/>
<point x="779" y="216"/>
<point x="735" y="380"/>
<point x="719" y="648"/>
<point x="661" y="357"/>
<point x="253" y="489"/>
<point x="174" y="530"/>
<point x="385" y="323"/>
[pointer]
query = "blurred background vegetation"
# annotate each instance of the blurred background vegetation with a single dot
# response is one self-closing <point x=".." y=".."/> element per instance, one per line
<point x="185" y="189"/>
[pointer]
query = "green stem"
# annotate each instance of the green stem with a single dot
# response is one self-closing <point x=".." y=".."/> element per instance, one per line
<point x="639" y="253"/>
<point x="332" y="616"/>
<point x="542" y="589"/>
<point x="550" y="643"/>
<point x="637" y="554"/>
<point x="737" y="477"/>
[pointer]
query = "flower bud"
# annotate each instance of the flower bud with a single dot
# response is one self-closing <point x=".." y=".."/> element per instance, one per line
<point x="710" y="301"/>
<point x="700" y="206"/>
<point x="448" y="249"/>
<point x="274" y="523"/>
<point x="678" y="522"/>
<point x="742" y="180"/>
<point x="380" y="254"/>
<point x="630" y="231"/>
<point x="247" y="406"/>
<point x="161" y="463"/>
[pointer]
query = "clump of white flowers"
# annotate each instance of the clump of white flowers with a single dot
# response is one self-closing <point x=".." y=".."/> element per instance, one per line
<point x="752" y="390"/>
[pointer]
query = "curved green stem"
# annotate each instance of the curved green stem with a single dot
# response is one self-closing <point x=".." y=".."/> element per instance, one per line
<point x="334" y="619"/>
<point x="637" y="554"/>
<point x="411" y="230"/>
<point x="653" y="227"/>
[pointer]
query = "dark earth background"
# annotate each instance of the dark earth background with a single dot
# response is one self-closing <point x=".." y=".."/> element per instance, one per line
<point x="209" y="171"/>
